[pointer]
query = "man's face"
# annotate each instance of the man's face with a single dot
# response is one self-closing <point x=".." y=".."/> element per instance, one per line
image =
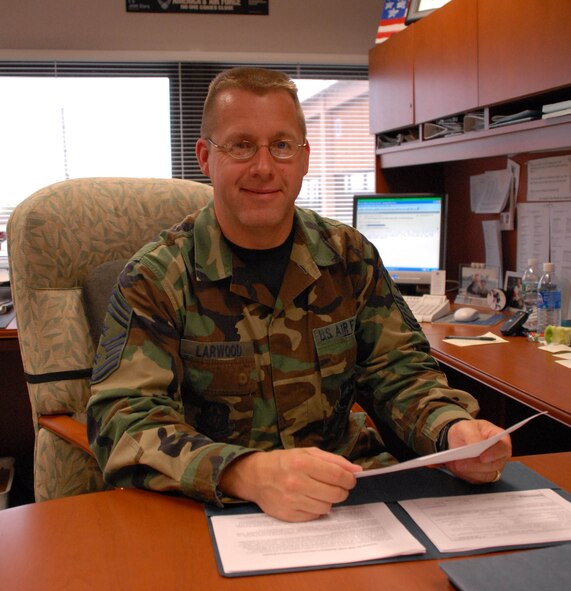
<point x="254" y="199"/>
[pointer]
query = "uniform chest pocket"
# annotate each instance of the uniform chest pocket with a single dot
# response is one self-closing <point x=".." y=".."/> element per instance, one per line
<point x="222" y="379"/>
<point x="336" y="348"/>
<point x="220" y="367"/>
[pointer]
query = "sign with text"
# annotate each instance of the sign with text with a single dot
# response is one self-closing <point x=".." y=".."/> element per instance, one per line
<point x="200" y="6"/>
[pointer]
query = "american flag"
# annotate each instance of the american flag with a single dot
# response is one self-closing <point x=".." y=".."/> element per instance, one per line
<point x="392" y="19"/>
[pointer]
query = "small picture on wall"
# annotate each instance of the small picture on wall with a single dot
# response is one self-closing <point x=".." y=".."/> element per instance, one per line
<point x="513" y="289"/>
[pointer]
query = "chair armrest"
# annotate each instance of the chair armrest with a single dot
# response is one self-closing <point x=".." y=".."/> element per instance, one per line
<point x="67" y="428"/>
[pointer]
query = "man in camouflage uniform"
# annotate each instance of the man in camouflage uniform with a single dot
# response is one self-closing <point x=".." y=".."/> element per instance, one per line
<point x="235" y="346"/>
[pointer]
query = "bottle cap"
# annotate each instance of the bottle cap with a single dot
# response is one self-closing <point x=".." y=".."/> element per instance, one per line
<point x="532" y="262"/>
<point x="548" y="267"/>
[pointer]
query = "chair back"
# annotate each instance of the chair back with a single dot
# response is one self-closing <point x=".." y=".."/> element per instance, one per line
<point x="57" y="238"/>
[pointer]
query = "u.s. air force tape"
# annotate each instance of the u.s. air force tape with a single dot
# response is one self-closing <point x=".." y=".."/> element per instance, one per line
<point x="341" y="329"/>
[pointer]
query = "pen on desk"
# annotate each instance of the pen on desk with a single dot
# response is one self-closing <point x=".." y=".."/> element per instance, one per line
<point x="471" y="338"/>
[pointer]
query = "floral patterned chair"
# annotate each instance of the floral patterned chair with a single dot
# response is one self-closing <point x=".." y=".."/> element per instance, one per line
<point x="60" y="240"/>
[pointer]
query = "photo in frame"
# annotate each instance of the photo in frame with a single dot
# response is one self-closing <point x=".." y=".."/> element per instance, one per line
<point x="420" y="8"/>
<point x="514" y="290"/>
<point x="475" y="282"/>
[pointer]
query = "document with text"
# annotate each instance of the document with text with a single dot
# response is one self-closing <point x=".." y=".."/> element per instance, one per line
<point x="350" y="534"/>
<point x="492" y="520"/>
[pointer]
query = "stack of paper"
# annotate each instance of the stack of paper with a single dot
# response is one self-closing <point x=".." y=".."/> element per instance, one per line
<point x="556" y="109"/>
<point x="489" y="192"/>
<point x="443" y="128"/>
<point x="527" y="115"/>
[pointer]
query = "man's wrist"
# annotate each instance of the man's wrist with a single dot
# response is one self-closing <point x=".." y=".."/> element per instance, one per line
<point x="233" y="481"/>
<point x="442" y="442"/>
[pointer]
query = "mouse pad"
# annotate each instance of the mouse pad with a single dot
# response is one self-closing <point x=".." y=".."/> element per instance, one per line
<point x="483" y="320"/>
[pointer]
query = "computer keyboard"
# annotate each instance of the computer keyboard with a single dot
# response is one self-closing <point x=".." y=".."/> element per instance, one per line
<point x="427" y="308"/>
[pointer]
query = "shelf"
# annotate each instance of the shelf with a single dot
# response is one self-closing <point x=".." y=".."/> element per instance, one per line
<point x="532" y="136"/>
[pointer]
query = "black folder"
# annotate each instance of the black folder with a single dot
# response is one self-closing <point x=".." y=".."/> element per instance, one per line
<point x="411" y="484"/>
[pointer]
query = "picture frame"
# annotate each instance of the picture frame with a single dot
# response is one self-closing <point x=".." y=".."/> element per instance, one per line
<point x="514" y="290"/>
<point x="418" y="9"/>
<point x="475" y="282"/>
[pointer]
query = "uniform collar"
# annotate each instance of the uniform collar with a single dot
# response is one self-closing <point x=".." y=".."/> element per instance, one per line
<point x="213" y="257"/>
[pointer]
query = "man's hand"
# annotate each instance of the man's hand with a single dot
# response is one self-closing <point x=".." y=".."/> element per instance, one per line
<point x="488" y="466"/>
<point x="293" y="485"/>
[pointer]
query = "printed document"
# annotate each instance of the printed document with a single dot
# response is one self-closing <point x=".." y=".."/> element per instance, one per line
<point x="258" y="542"/>
<point x="492" y="520"/>
<point x="450" y="455"/>
<point x="489" y="192"/>
<point x="549" y="179"/>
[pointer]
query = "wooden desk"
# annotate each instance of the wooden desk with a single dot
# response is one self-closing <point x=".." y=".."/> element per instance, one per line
<point x="511" y="381"/>
<point x="132" y="539"/>
<point x="517" y="369"/>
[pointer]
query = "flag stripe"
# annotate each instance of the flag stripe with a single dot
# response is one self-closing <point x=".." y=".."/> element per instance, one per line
<point x="392" y="19"/>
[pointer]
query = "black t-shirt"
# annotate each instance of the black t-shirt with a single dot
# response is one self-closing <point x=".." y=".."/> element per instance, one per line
<point x="266" y="266"/>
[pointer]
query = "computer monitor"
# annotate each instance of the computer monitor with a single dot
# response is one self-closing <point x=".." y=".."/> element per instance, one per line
<point x="409" y="231"/>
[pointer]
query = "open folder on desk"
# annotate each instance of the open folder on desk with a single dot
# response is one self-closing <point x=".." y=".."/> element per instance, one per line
<point x="247" y="542"/>
<point x="371" y="527"/>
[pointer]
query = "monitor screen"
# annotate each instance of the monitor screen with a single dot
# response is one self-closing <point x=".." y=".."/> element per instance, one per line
<point x="408" y="231"/>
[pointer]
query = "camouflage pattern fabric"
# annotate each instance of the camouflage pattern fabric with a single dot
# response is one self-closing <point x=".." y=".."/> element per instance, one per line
<point x="198" y="365"/>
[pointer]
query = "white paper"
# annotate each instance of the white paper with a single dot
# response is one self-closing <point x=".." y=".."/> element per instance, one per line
<point x="544" y="233"/>
<point x="560" y="236"/>
<point x="514" y="169"/>
<point x="493" y="244"/>
<point x="471" y="522"/>
<point x="549" y="179"/>
<point x="489" y="192"/>
<point x="258" y="542"/>
<point x="450" y="455"/>
<point x="555" y="348"/>
<point x="532" y="233"/>
<point x="472" y="343"/>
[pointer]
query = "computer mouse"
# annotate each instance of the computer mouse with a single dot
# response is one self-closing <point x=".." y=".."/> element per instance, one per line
<point x="466" y="314"/>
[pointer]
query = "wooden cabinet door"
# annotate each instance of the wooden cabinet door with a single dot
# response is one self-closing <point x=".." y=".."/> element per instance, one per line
<point x="524" y="47"/>
<point x="446" y="61"/>
<point x="391" y="83"/>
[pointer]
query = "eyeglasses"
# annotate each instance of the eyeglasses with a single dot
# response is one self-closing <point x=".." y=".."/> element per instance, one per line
<point x="244" y="149"/>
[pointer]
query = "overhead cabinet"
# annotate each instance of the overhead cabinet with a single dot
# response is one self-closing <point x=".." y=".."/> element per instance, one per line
<point x="482" y="58"/>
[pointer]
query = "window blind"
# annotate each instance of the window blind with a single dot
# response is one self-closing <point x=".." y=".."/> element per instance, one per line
<point x="342" y="157"/>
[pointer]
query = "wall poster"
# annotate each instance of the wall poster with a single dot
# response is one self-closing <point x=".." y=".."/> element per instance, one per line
<point x="200" y="6"/>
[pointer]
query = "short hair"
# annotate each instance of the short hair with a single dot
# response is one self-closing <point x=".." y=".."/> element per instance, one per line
<point x="257" y="80"/>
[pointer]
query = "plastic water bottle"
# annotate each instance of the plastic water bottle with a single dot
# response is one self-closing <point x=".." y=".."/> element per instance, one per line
<point x="529" y="281"/>
<point x="548" y="299"/>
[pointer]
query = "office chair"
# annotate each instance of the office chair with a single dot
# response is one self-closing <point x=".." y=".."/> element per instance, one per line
<point x="67" y="243"/>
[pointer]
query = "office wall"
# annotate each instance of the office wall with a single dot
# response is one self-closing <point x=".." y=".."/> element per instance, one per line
<point x="298" y="31"/>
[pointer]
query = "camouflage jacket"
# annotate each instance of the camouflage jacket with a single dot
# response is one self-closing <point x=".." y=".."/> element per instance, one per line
<point x="197" y="365"/>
